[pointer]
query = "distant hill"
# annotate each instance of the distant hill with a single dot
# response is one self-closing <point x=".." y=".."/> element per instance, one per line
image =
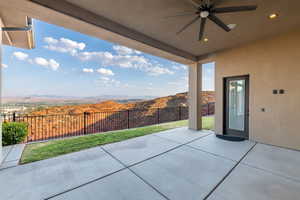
<point x="179" y="99"/>
<point x="54" y="99"/>
<point x="73" y="120"/>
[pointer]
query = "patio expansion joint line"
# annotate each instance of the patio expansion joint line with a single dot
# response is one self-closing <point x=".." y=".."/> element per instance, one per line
<point x="9" y="166"/>
<point x="187" y="144"/>
<point x="5" y="168"/>
<point x="270" y="172"/>
<point x="228" y="173"/>
<point x="202" y="136"/>
<point x="214" y="154"/>
<point x="84" y="184"/>
<point x="127" y="167"/>
<point x="178" y="146"/>
<point x="12" y="160"/>
<point x="280" y="147"/>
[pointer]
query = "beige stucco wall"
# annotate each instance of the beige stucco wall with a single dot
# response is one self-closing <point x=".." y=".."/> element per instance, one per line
<point x="272" y="63"/>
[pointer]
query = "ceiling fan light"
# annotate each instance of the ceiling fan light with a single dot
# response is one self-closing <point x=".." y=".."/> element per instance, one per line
<point x="273" y="16"/>
<point x="231" y="26"/>
<point x="205" y="40"/>
<point x="204" y="14"/>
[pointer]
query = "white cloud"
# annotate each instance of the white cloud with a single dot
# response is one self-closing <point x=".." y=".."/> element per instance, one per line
<point x="122" y="50"/>
<point x="179" y="67"/>
<point x="4" y="65"/>
<point x="52" y="64"/>
<point x="156" y="70"/>
<point x="137" y="52"/>
<point x="124" y="58"/>
<point x="64" y="45"/>
<point x="103" y="57"/>
<point x="88" y="70"/>
<point x="105" y="72"/>
<point x="41" y="61"/>
<point x="125" y="61"/>
<point x="50" y="40"/>
<point x="20" y="55"/>
<point x="108" y="82"/>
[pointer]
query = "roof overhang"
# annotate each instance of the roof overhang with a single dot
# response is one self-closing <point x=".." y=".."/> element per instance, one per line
<point x="141" y="24"/>
<point x="17" y="29"/>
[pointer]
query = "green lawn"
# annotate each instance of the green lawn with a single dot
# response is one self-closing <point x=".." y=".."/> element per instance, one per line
<point x="40" y="151"/>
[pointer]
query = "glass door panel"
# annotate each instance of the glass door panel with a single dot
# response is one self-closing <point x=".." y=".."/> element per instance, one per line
<point x="237" y="105"/>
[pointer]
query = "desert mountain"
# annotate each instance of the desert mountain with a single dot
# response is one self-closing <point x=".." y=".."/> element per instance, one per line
<point x="179" y="99"/>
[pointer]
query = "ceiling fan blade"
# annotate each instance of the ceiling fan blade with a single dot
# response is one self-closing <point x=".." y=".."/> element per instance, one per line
<point x="196" y="3"/>
<point x="217" y="21"/>
<point x="234" y="9"/>
<point x="182" y="14"/>
<point x="202" y="26"/>
<point x="216" y="2"/>
<point x="187" y="25"/>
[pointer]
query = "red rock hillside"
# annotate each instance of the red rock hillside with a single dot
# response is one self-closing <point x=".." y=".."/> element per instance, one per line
<point x="64" y="121"/>
<point x="162" y="102"/>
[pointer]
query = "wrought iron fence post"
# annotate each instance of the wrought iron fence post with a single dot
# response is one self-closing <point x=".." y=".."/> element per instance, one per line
<point x="128" y="119"/>
<point x="14" y="116"/>
<point x="158" y="115"/>
<point x="85" y="114"/>
<point x="207" y="108"/>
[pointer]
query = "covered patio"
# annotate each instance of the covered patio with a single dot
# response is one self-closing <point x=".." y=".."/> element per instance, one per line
<point x="175" y="164"/>
<point x="184" y="163"/>
<point x="256" y="59"/>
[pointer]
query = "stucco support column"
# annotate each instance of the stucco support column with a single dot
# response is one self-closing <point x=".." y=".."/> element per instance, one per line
<point x="194" y="96"/>
<point x="1" y="85"/>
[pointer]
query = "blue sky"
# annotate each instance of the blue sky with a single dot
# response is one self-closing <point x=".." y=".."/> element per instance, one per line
<point x="68" y="63"/>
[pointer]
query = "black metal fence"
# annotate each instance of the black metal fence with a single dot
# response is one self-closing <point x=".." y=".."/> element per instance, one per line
<point x="46" y="127"/>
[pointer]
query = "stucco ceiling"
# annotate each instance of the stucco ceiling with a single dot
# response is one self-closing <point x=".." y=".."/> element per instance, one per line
<point x="142" y="24"/>
<point x="149" y="18"/>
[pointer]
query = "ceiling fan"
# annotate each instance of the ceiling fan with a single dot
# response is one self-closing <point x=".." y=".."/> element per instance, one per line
<point x="206" y="9"/>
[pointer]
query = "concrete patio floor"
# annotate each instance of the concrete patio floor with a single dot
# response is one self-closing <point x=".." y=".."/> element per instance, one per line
<point x="175" y="164"/>
<point x="11" y="155"/>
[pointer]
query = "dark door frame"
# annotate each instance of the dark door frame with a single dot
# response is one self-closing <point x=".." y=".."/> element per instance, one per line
<point x="226" y="130"/>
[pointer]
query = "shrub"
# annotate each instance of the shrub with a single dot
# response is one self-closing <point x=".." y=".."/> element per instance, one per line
<point x="13" y="132"/>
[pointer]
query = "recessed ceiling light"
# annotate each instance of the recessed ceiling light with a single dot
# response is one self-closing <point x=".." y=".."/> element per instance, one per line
<point x="205" y="40"/>
<point x="231" y="26"/>
<point x="273" y="16"/>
